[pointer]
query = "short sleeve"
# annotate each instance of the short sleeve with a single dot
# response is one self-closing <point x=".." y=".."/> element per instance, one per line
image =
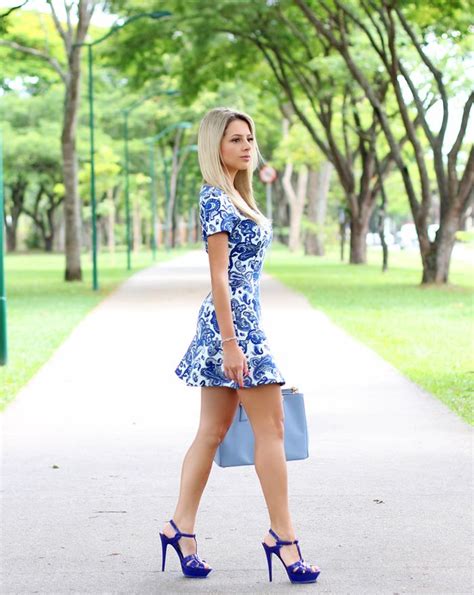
<point x="216" y="212"/>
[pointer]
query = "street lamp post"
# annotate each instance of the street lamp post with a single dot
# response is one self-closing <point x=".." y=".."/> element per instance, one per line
<point x="3" y="298"/>
<point x="89" y="45"/>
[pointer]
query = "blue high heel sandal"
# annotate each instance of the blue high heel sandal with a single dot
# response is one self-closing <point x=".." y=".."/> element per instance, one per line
<point x="192" y="565"/>
<point x="299" y="571"/>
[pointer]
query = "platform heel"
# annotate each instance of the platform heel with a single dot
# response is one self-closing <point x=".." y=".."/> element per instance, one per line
<point x="192" y="565"/>
<point x="298" y="572"/>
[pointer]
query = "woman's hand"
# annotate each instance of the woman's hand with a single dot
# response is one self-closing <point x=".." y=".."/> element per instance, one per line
<point x="235" y="363"/>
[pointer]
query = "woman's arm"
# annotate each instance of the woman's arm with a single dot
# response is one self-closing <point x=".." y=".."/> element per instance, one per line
<point x="235" y="363"/>
<point x="218" y="251"/>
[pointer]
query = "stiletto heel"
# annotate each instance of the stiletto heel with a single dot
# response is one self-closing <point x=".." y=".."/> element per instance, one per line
<point x="269" y="560"/>
<point x="192" y="565"/>
<point x="164" y="545"/>
<point x="299" y="571"/>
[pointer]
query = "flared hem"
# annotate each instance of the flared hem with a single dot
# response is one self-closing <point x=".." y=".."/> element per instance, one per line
<point x="231" y="383"/>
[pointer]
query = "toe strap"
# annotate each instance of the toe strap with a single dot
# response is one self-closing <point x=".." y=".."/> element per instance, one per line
<point x="301" y="567"/>
<point x="194" y="561"/>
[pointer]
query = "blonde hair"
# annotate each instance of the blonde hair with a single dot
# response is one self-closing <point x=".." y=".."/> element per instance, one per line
<point x="211" y="130"/>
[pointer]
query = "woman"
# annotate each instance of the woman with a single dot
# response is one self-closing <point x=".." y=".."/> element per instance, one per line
<point x="228" y="356"/>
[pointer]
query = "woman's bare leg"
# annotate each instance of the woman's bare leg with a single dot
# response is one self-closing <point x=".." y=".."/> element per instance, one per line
<point x="264" y="408"/>
<point x="218" y="406"/>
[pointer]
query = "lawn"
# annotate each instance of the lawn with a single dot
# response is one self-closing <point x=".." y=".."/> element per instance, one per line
<point x="42" y="309"/>
<point x="425" y="332"/>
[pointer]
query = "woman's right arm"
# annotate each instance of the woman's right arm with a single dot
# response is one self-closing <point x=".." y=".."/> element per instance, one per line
<point x="235" y="363"/>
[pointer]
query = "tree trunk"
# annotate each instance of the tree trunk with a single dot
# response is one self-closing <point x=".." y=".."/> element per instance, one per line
<point x="72" y="213"/>
<point x="178" y="234"/>
<point x="174" y="227"/>
<point x="48" y="243"/>
<point x="100" y="234"/>
<point x="281" y="216"/>
<point x="11" y="236"/>
<point x="296" y="200"/>
<point x="48" y="236"/>
<point x="160" y="239"/>
<point x="359" y="228"/>
<point x="48" y="239"/>
<point x="383" y="241"/>
<point x="466" y="220"/>
<point x="191" y="237"/>
<point x="343" y="215"/>
<point x="58" y="245"/>
<point x="436" y="257"/>
<point x="18" y="192"/>
<point x="111" y="223"/>
<point x="137" y="224"/>
<point x="318" y="187"/>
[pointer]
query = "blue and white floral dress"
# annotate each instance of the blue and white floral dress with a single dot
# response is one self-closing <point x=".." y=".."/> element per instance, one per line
<point x="201" y="365"/>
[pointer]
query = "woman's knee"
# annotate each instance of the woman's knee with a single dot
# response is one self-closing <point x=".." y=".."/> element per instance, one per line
<point x="271" y="428"/>
<point x="214" y="435"/>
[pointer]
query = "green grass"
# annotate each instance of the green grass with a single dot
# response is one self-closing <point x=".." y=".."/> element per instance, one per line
<point x="425" y="332"/>
<point x="42" y="309"/>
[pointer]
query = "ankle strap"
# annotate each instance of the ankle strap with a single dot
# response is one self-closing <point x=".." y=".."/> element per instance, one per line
<point x="281" y="541"/>
<point x="173" y="524"/>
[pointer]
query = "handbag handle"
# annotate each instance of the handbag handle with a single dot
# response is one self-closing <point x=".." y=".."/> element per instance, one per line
<point x="291" y="390"/>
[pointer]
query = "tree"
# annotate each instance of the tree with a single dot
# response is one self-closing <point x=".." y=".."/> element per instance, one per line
<point x="318" y="187"/>
<point x="33" y="173"/>
<point x="388" y="28"/>
<point x="218" y="45"/>
<point x="67" y="67"/>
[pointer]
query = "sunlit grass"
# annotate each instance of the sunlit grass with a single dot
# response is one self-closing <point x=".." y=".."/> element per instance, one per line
<point x="426" y="332"/>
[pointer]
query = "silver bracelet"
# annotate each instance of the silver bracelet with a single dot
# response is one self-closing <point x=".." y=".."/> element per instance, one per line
<point x="229" y="339"/>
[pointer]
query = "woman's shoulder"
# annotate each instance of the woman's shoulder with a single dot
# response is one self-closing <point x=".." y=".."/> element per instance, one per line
<point x="208" y="190"/>
<point x="214" y="195"/>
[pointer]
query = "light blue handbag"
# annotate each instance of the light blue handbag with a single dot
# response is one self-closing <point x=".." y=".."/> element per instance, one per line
<point x="237" y="448"/>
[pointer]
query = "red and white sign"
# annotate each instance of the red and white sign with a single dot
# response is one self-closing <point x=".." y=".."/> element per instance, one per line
<point x="267" y="174"/>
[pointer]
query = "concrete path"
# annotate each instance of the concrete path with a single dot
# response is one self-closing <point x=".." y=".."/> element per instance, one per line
<point x="93" y="446"/>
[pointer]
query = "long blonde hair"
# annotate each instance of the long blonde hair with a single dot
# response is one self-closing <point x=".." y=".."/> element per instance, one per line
<point x="211" y="130"/>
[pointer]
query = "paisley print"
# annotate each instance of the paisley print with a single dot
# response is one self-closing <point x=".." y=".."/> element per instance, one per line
<point x="201" y="365"/>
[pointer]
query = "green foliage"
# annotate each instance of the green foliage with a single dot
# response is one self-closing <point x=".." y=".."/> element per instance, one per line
<point x="31" y="29"/>
<point x="213" y="58"/>
<point x="32" y="151"/>
<point x="450" y="19"/>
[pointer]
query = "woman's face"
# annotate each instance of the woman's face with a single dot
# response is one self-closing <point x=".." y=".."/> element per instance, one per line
<point x="237" y="146"/>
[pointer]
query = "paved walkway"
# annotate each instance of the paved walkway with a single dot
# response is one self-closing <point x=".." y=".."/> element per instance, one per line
<point x="93" y="446"/>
